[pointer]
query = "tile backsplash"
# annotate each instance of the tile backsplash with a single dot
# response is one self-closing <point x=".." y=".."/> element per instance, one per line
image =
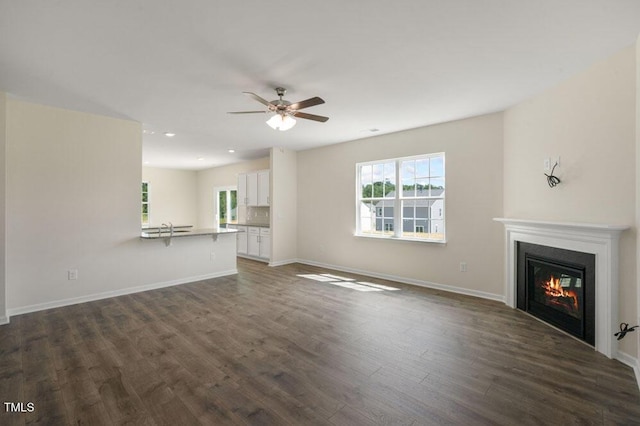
<point x="258" y="215"/>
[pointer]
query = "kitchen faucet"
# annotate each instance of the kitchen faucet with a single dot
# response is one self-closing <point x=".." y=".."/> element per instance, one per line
<point x="169" y="228"/>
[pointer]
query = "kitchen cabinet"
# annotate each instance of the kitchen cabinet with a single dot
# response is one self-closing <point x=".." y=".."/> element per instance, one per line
<point x="242" y="189"/>
<point x="259" y="242"/>
<point x="254" y="188"/>
<point x="264" y="196"/>
<point x="253" y="241"/>
<point x="265" y="243"/>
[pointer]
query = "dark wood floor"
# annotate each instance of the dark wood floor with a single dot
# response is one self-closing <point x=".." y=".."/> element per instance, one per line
<point x="269" y="347"/>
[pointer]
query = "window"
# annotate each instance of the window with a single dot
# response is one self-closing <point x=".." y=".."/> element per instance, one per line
<point x="227" y="206"/>
<point x="402" y="198"/>
<point x="145" y="203"/>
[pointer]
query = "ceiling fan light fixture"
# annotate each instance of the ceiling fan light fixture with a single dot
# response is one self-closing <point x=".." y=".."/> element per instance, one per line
<point x="281" y="122"/>
<point x="284" y="111"/>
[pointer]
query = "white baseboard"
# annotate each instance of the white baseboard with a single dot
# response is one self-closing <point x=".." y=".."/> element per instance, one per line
<point x="412" y="281"/>
<point x="269" y="262"/>
<point x="259" y="259"/>
<point x="115" y="293"/>
<point x="283" y="262"/>
<point x="4" y="320"/>
<point x="632" y="362"/>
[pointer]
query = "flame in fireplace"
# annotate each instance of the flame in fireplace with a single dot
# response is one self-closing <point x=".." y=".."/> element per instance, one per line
<point x="558" y="295"/>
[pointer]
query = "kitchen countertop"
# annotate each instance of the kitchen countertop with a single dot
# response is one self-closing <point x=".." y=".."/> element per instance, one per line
<point x="258" y="225"/>
<point x="189" y="232"/>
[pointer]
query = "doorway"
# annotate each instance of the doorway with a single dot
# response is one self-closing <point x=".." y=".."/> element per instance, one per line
<point x="225" y="206"/>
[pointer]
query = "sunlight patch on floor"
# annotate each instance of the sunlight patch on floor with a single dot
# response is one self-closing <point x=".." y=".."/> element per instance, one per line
<point x="347" y="282"/>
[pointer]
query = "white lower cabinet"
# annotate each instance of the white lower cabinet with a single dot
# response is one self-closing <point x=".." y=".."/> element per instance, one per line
<point x="254" y="241"/>
<point x="265" y="243"/>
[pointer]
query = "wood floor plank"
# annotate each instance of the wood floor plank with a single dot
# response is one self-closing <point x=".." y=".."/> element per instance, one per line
<point x="267" y="346"/>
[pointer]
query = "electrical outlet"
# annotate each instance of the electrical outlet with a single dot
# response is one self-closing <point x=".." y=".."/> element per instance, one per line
<point x="72" y="274"/>
<point x="463" y="266"/>
<point x="213" y="256"/>
<point x="547" y="164"/>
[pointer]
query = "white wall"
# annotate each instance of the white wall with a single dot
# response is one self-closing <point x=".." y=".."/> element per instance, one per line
<point x="73" y="202"/>
<point x="590" y="122"/>
<point x="284" y="212"/>
<point x="3" y="229"/>
<point x="217" y="177"/>
<point x="637" y="368"/>
<point x="173" y="195"/>
<point x="326" y="207"/>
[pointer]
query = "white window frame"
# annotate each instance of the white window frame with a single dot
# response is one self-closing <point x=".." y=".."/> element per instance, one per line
<point x="398" y="199"/>
<point x="148" y="203"/>
<point x="216" y="204"/>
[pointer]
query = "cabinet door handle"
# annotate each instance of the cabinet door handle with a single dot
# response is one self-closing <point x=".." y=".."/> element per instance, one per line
<point x="268" y="200"/>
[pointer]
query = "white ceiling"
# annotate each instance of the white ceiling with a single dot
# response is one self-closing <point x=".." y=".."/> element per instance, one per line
<point x="180" y="65"/>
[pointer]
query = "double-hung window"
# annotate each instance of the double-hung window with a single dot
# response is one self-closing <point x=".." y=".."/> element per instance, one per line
<point x="401" y="198"/>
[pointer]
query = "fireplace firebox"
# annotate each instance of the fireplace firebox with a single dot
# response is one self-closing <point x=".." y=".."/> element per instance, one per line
<point x="558" y="286"/>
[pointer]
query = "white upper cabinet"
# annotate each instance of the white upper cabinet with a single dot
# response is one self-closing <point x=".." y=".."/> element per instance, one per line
<point x="254" y="189"/>
<point x="242" y="189"/>
<point x="264" y="195"/>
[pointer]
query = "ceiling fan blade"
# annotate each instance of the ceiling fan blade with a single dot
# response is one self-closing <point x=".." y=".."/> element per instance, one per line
<point x="259" y="99"/>
<point x="307" y="103"/>
<point x="311" y="116"/>
<point x="247" y="112"/>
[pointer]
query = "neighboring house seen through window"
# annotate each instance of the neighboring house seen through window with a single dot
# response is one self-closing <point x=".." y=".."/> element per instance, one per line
<point x="402" y="198"/>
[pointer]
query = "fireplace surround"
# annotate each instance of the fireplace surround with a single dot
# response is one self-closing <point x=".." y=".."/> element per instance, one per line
<point x="600" y="240"/>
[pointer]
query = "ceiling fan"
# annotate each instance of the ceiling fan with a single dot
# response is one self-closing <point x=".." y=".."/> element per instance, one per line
<point x="284" y="111"/>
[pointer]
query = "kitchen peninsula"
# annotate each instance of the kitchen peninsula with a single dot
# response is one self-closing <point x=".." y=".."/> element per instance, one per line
<point x="185" y="253"/>
<point x="183" y="231"/>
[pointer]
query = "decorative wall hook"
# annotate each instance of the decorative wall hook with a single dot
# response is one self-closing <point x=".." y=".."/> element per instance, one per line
<point x="624" y="329"/>
<point x="551" y="179"/>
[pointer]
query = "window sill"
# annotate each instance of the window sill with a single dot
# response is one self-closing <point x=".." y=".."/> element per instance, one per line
<point x="392" y="238"/>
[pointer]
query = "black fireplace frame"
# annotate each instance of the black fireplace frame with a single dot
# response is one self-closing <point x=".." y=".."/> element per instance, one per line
<point x="583" y="329"/>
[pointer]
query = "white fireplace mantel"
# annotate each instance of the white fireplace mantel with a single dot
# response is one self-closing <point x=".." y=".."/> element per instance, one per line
<point x="599" y="239"/>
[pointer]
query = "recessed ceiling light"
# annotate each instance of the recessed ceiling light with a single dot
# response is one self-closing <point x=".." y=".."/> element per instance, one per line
<point x="146" y="162"/>
<point x="148" y="132"/>
<point x="169" y="134"/>
<point x="200" y="159"/>
<point x="231" y="151"/>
